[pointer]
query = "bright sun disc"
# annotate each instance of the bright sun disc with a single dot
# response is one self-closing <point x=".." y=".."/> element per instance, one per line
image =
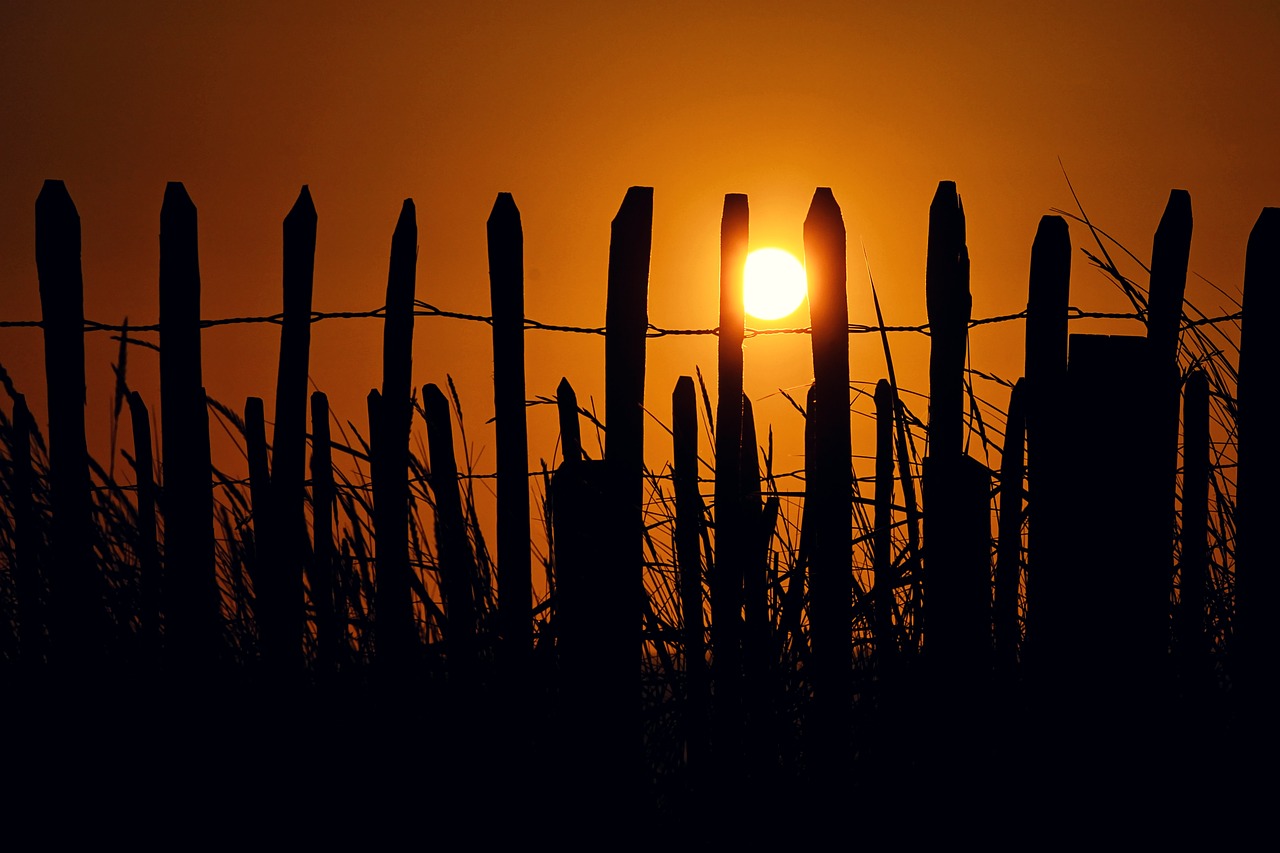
<point x="773" y="284"/>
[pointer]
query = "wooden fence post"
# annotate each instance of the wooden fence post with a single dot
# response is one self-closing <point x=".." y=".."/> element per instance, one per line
<point x="689" y="510"/>
<point x="192" y="600"/>
<point x="456" y="560"/>
<point x="830" y="567"/>
<point x="149" y="579"/>
<point x="77" y="614"/>
<point x="1257" y="642"/>
<point x="727" y="570"/>
<point x="390" y="420"/>
<point x="1045" y="371"/>
<point x="289" y="445"/>
<point x="264" y="568"/>
<point x="626" y="327"/>
<point x="1190" y="636"/>
<point x="506" y="294"/>
<point x="1007" y="632"/>
<point x="885" y="578"/>
<point x="949" y="305"/>
<point x="329" y="604"/>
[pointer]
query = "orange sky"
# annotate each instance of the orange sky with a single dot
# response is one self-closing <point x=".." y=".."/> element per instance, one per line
<point x="565" y="107"/>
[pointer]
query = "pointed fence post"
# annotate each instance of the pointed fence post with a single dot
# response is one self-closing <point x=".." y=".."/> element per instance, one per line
<point x="1048" y="578"/>
<point x="191" y="596"/>
<point x="626" y="327"/>
<point x="457" y="562"/>
<point x="831" y="575"/>
<point x="727" y="570"/>
<point x="390" y="419"/>
<point x="1005" y="622"/>
<point x="886" y="579"/>
<point x="684" y="436"/>
<point x="77" y="615"/>
<point x="1169" y="255"/>
<point x="506" y="294"/>
<point x="330" y="628"/>
<point x="949" y="305"/>
<point x="1257" y="642"/>
<point x="570" y="431"/>
<point x="149" y="579"/>
<point x="289" y="453"/>
<point x="1193" y="569"/>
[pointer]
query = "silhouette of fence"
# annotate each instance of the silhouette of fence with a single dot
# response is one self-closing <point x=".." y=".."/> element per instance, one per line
<point x="831" y="633"/>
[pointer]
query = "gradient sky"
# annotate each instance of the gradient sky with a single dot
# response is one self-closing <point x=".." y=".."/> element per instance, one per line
<point x="565" y="105"/>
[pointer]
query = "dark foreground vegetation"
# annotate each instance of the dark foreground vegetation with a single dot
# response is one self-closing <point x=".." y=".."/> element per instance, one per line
<point x="1029" y="615"/>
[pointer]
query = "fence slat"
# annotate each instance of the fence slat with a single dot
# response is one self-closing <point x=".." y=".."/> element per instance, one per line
<point x="506" y="294"/>
<point x="831" y="578"/>
<point x="289" y="439"/>
<point x="192" y="608"/>
<point x="28" y="550"/>
<point x="1048" y="295"/>
<point x="1009" y="548"/>
<point x="77" y="617"/>
<point x="626" y="325"/>
<point x="149" y="579"/>
<point x="1257" y="643"/>
<point x="1193" y="568"/>
<point x="325" y="594"/>
<point x="949" y="305"/>
<point x="684" y="438"/>
<point x="727" y="570"/>
<point x="390" y="413"/>
<point x="456" y="560"/>
<point x="885" y="579"/>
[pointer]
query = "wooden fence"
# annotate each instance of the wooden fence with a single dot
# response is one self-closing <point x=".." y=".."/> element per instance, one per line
<point x="1114" y="560"/>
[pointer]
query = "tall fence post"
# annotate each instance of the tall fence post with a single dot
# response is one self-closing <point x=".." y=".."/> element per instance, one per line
<point x="77" y="616"/>
<point x="1256" y="645"/>
<point x="626" y="327"/>
<point x="727" y="570"/>
<point x="831" y="576"/>
<point x="684" y="437"/>
<point x="289" y="440"/>
<point x="390" y="420"/>
<point x="192" y="601"/>
<point x="506" y="294"/>
<point x="1045" y="370"/>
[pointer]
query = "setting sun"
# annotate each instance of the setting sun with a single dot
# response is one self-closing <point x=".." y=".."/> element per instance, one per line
<point x="773" y="284"/>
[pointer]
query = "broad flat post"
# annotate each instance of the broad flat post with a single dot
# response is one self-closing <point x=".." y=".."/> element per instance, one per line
<point x="77" y="621"/>
<point x="506" y="294"/>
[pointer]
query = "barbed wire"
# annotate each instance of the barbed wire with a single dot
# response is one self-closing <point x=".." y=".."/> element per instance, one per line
<point x="424" y="309"/>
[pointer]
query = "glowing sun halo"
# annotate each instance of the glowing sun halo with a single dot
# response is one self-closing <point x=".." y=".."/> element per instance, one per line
<point x="773" y="284"/>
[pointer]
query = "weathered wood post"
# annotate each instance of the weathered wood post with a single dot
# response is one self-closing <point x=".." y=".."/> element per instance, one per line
<point x="1193" y="569"/>
<point x="830" y="567"/>
<point x="756" y="637"/>
<point x="1048" y="615"/>
<point x="390" y="419"/>
<point x="885" y="579"/>
<point x="684" y="436"/>
<point x="457" y="562"/>
<point x="727" y="570"/>
<point x="1257" y="642"/>
<point x="192" y="602"/>
<point x="957" y="487"/>
<point x="325" y="597"/>
<point x="626" y="327"/>
<point x="77" y="616"/>
<point x="289" y="445"/>
<point x="263" y="566"/>
<point x="506" y="294"/>
<point x="149" y="578"/>
<point x="1169" y="256"/>
<point x="1007" y="630"/>
<point x="570" y="431"/>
